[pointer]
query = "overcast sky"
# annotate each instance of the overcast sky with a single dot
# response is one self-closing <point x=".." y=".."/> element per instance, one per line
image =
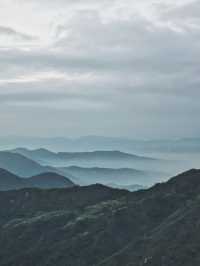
<point x="110" y="67"/>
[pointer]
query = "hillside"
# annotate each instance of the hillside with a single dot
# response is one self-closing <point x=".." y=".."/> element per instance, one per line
<point x="9" y="181"/>
<point x="99" y="226"/>
<point x="49" y="180"/>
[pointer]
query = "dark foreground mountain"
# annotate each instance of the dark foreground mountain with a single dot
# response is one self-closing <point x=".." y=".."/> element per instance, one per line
<point x="99" y="226"/>
<point x="9" y="181"/>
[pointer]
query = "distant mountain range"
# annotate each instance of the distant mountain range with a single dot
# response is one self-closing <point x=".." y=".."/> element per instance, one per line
<point x="9" y="181"/>
<point x="104" y="159"/>
<point x="20" y="164"/>
<point x="91" y="143"/>
<point x="23" y="166"/>
<point x="121" y="176"/>
<point x="100" y="226"/>
<point x="25" y="163"/>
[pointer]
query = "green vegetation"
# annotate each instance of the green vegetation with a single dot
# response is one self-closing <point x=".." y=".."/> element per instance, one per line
<point x="99" y="226"/>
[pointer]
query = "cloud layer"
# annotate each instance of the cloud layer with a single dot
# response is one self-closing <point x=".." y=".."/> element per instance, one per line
<point x="102" y="67"/>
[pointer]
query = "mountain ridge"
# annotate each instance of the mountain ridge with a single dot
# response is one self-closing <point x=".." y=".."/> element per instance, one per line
<point x="121" y="176"/>
<point x="108" y="153"/>
<point x="96" y="225"/>
<point x="89" y="143"/>
<point x="9" y="181"/>
<point x="23" y="166"/>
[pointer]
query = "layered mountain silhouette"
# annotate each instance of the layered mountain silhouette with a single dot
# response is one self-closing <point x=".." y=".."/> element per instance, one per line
<point x="19" y="164"/>
<point x="9" y="181"/>
<point x="121" y="176"/>
<point x="39" y="155"/>
<point x="100" y="226"/>
<point x="90" y="143"/>
<point x="23" y="166"/>
<point x="98" y="159"/>
<point x="85" y="159"/>
<point x="25" y="163"/>
<point x="127" y="187"/>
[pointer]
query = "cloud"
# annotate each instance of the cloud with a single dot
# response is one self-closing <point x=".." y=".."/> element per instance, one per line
<point x="9" y="37"/>
<point x="11" y="32"/>
<point x="136" y="61"/>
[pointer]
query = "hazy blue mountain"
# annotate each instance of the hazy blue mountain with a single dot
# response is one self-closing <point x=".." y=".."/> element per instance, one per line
<point x="130" y="168"/>
<point x="91" y="143"/>
<point x="49" y="180"/>
<point x="17" y="163"/>
<point x="100" y="226"/>
<point x="131" y="188"/>
<point x="106" y="159"/>
<point x="9" y="181"/>
<point x="42" y="156"/>
<point x="23" y="166"/>
<point x="121" y="176"/>
<point x="178" y="154"/>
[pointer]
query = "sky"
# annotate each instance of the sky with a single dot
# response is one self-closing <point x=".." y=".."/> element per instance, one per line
<point x="110" y="67"/>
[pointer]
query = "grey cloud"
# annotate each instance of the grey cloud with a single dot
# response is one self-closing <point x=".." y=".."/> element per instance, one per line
<point x="190" y="10"/>
<point x="13" y="33"/>
<point x="145" y="77"/>
<point x="121" y="51"/>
